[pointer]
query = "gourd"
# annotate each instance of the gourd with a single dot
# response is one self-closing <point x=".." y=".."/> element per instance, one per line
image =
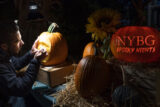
<point x="55" y="45"/>
<point x="126" y="96"/>
<point x="92" y="76"/>
<point x="90" y="49"/>
<point x="136" y="44"/>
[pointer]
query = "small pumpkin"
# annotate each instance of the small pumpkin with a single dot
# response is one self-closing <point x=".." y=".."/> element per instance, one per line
<point x="92" y="48"/>
<point x="136" y="44"/>
<point x="55" y="45"/>
<point x="92" y="76"/>
<point x="126" y="96"/>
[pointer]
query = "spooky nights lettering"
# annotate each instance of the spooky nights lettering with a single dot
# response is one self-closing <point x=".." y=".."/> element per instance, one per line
<point x="135" y="44"/>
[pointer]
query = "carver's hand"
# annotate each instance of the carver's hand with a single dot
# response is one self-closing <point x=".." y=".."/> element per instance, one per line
<point x="34" y="47"/>
<point x="40" y="54"/>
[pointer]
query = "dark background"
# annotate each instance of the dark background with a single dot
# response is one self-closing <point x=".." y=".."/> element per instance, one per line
<point x="71" y="16"/>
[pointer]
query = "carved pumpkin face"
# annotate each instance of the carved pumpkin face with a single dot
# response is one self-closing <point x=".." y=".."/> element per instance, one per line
<point x="136" y="44"/>
<point x="92" y="76"/>
<point x="55" y="45"/>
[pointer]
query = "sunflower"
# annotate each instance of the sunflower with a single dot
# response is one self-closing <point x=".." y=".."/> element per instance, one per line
<point x="102" y="22"/>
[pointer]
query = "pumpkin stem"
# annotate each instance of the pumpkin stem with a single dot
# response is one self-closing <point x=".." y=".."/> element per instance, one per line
<point x="52" y="27"/>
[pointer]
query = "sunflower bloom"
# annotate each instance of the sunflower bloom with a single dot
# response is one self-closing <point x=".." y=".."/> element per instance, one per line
<point x="102" y="22"/>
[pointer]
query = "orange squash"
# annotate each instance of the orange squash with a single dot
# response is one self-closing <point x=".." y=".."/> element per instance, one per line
<point x="136" y="44"/>
<point x="92" y="76"/>
<point x="55" y="45"/>
<point x="90" y="49"/>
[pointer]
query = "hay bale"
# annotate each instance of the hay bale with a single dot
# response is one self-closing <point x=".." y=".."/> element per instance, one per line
<point x="69" y="97"/>
<point x="144" y="78"/>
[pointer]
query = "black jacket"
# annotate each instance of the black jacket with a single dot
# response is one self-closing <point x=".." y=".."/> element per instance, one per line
<point x="10" y="83"/>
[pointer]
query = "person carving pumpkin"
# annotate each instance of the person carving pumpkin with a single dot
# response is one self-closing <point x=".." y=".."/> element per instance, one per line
<point x="14" y="88"/>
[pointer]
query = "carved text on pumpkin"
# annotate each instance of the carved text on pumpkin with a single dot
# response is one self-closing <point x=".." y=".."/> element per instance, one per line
<point x="135" y="44"/>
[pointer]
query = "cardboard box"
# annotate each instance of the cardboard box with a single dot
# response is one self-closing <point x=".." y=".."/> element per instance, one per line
<point x="55" y="75"/>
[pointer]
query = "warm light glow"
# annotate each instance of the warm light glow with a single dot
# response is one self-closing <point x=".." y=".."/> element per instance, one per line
<point x="136" y="44"/>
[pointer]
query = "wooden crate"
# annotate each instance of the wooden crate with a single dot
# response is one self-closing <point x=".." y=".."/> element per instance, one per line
<point x="55" y="75"/>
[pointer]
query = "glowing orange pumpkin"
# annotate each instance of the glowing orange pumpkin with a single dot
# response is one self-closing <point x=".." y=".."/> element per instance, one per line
<point x="136" y="44"/>
<point x="92" y="76"/>
<point x="55" y="44"/>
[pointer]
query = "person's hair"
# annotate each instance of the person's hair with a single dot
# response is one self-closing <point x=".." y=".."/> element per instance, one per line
<point x="8" y="31"/>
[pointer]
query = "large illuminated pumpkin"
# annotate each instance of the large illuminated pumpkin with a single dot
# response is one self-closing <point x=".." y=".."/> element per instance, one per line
<point x="55" y="45"/>
<point x="136" y="44"/>
<point x="92" y="76"/>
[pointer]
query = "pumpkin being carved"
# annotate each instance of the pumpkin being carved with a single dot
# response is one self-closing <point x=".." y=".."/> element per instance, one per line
<point x="92" y="76"/>
<point x="55" y="45"/>
<point x="136" y="44"/>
